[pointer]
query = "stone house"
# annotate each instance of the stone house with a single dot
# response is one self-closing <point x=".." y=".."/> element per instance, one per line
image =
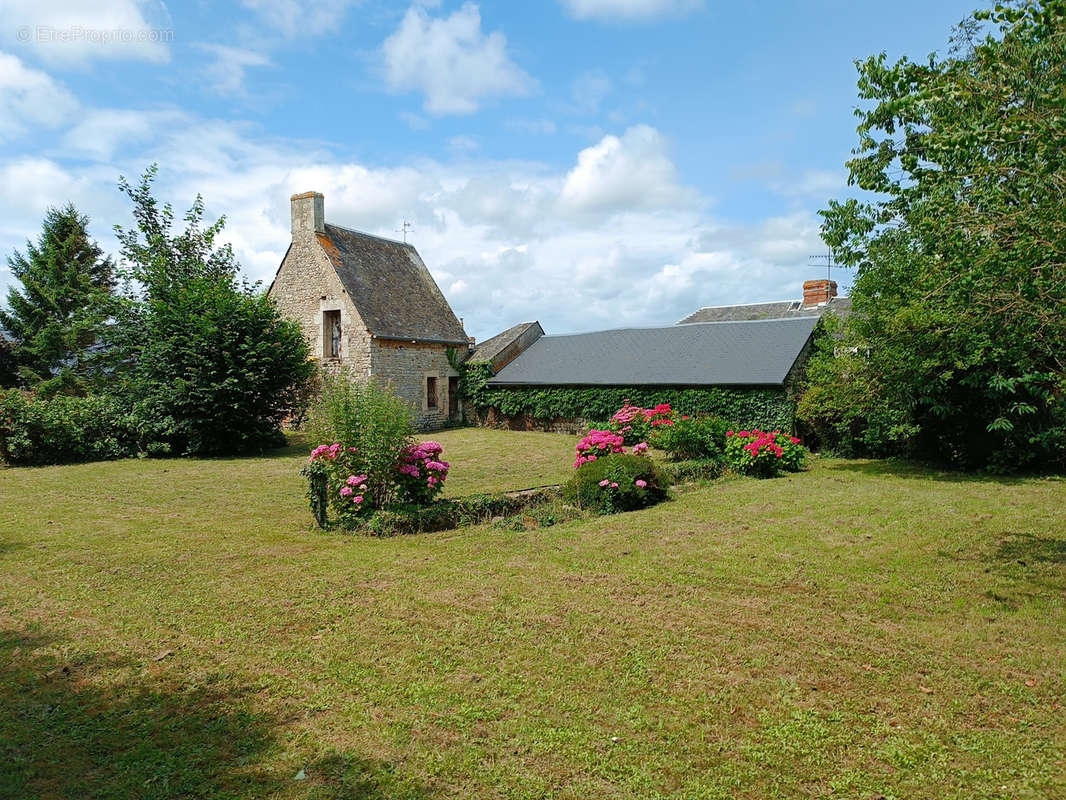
<point x="369" y="306"/>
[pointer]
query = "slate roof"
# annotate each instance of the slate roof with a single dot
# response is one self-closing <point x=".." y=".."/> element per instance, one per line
<point x="393" y="291"/>
<point x="745" y="353"/>
<point x="774" y="310"/>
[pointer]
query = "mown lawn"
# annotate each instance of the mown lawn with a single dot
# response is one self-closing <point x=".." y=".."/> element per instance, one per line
<point x="176" y="629"/>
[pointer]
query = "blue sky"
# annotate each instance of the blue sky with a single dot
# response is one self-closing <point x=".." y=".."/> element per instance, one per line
<point x="587" y="163"/>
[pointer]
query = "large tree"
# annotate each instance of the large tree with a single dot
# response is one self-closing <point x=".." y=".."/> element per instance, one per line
<point x="56" y="314"/>
<point x="207" y="361"/>
<point x="959" y="329"/>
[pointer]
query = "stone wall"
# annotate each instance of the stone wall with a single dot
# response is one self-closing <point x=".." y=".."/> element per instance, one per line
<point x="494" y="418"/>
<point x="305" y="287"/>
<point x="405" y="366"/>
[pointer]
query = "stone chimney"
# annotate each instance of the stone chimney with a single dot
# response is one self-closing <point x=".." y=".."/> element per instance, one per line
<point x="818" y="292"/>
<point x="308" y="214"/>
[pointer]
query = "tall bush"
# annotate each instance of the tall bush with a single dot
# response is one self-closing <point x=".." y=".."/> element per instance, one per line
<point x="960" y="291"/>
<point x="207" y="362"/>
<point x="373" y="424"/>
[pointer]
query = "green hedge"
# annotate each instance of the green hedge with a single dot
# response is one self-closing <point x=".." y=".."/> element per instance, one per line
<point x="63" y="429"/>
<point x="769" y="409"/>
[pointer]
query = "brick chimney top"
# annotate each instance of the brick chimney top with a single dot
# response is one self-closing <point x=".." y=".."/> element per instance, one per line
<point x="818" y="292"/>
<point x="308" y="213"/>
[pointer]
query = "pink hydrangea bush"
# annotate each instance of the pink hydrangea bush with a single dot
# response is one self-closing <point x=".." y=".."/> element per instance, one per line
<point x="421" y="472"/>
<point x="343" y="490"/>
<point x="635" y="424"/>
<point x="597" y="444"/>
<point x="337" y="485"/>
<point x="764" y="454"/>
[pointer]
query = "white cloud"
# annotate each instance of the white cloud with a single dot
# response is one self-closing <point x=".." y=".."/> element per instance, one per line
<point x="614" y="241"/>
<point x="451" y="61"/>
<point x="463" y="144"/>
<point x="70" y="32"/>
<point x="627" y="172"/>
<point x="544" y="127"/>
<point x="415" y="122"/>
<point x="300" y="17"/>
<point x="100" y="133"/>
<point x="628" y="10"/>
<point x="30" y="98"/>
<point x="813" y="183"/>
<point x="226" y="72"/>
<point x="589" y="89"/>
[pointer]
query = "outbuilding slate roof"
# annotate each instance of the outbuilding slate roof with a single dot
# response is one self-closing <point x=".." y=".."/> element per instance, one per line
<point x="391" y="287"/>
<point x="774" y="310"/>
<point x="746" y="353"/>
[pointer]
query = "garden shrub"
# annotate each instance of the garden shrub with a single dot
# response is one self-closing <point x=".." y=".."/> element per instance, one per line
<point x="421" y="473"/>
<point x="207" y="358"/>
<point x="63" y="429"/>
<point x="373" y="463"/>
<point x="762" y="454"/>
<point x="616" y="482"/>
<point x="692" y="438"/>
<point x="371" y="425"/>
<point x="635" y="424"/>
<point x="597" y="444"/>
<point x="693" y="471"/>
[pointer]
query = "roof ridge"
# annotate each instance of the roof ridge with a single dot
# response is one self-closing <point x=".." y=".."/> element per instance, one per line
<point x="370" y="235"/>
<point x="742" y="305"/>
<point x="674" y="326"/>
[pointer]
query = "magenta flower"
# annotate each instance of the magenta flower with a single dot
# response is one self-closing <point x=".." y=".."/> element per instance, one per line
<point x="640" y="484"/>
<point x="357" y="499"/>
<point x="614" y="485"/>
<point x="346" y="491"/>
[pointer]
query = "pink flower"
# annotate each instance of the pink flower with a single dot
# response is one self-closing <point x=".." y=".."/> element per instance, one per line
<point x="614" y="485"/>
<point x="640" y="484"/>
<point x="604" y="482"/>
<point x="640" y="447"/>
<point x="357" y="499"/>
<point x="431" y="480"/>
<point x="346" y="491"/>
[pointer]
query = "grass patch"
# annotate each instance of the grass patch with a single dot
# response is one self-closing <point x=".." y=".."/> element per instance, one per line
<point x="176" y="628"/>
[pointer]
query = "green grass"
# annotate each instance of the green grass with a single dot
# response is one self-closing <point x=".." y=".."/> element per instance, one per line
<point x="177" y="629"/>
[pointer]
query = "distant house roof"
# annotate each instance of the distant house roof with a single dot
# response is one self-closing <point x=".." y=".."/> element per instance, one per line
<point x="504" y="347"/>
<point x="391" y="287"/>
<point x="747" y="353"/>
<point x="776" y="309"/>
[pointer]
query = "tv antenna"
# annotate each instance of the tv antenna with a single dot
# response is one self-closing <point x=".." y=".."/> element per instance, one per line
<point x="826" y="259"/>
<point x="403" y="229"/>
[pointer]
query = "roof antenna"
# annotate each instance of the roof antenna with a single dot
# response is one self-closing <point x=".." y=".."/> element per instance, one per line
<point x="407" y="226"/>
<point x="828" y="259"/>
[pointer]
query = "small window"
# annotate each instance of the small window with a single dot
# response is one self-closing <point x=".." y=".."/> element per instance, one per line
<point x="431" y="392"/>
<point x="331" y="334"/>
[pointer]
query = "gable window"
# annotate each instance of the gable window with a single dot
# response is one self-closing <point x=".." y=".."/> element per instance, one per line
<point x="431" y="392"/>
<point x="331" y="334"/>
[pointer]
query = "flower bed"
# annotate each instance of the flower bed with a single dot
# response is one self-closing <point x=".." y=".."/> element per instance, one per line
<point x="764" y="454"/>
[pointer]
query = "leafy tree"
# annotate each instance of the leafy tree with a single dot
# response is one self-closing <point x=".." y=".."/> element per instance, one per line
<point x="58" y="314"/>
<point x="960" y="294"/>
<point x="207" y="361"/>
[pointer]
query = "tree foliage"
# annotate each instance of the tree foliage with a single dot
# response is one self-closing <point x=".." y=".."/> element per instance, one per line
<point x="205" y="359"/>
<point x="56" y="315"/>
<point x="960" y="294"/>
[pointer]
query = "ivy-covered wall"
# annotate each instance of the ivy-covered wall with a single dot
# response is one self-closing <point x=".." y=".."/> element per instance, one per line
<point x="754" y="407"/>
